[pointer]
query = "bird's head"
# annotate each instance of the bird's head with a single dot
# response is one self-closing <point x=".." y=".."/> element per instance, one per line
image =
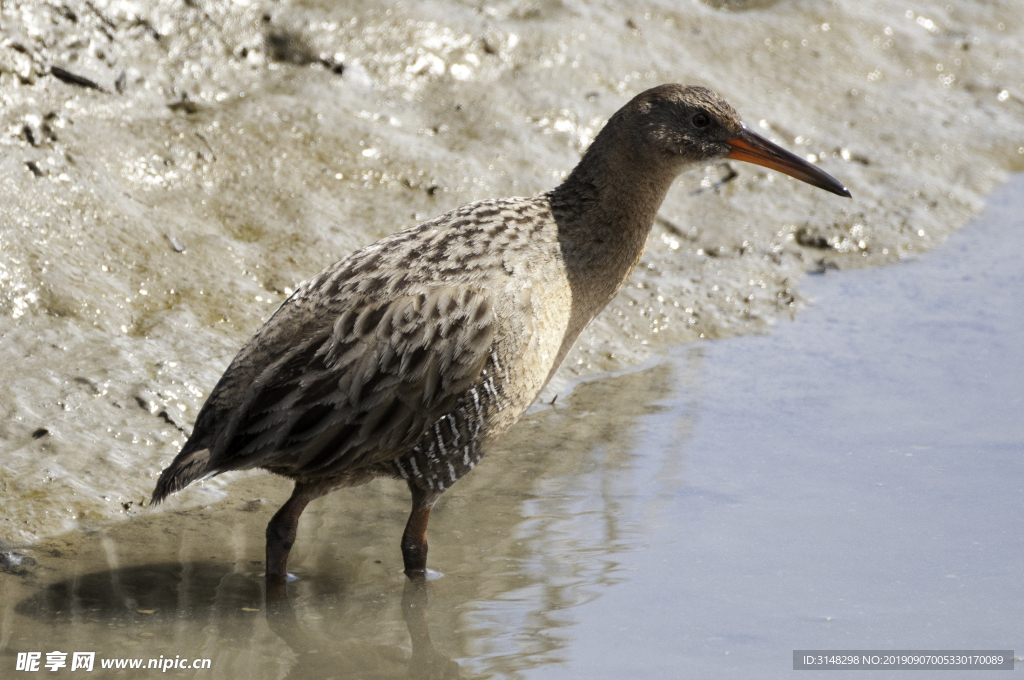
<point x="680" y="126"/>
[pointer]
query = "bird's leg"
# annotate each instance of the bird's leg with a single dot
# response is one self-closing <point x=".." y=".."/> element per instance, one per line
<point x="414" y="540"/>
<point x="282" y="528"/>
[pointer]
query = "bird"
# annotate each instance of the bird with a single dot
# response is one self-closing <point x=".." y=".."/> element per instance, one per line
<point x="410" y="357"/>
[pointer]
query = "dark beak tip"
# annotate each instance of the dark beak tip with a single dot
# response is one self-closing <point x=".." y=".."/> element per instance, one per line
<point x="837" y="189"/>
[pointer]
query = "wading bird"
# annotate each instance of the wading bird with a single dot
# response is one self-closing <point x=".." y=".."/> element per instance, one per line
<point x="408" y="358"/>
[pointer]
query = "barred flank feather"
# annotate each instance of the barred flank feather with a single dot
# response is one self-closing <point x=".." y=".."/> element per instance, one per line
<point x="183" y="471"/>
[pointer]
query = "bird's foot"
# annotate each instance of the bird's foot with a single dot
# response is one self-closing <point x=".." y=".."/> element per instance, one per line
<point x="423" y="574"/>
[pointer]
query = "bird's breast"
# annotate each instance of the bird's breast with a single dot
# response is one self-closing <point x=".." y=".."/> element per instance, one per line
<point x="536" y="313"/>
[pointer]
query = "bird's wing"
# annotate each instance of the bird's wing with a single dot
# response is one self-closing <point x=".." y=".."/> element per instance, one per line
<point x="360" y="386"/>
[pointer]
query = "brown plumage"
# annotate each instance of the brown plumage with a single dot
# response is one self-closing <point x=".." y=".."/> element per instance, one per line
<point x="407" y="358"/>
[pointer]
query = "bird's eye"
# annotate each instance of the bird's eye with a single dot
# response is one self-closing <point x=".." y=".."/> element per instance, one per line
<point x="701" y="120"/>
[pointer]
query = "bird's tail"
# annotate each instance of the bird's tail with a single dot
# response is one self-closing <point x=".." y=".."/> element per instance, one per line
<point x="186" y="468"/>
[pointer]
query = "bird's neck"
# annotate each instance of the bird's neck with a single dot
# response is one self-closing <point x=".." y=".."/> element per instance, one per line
<point x="605" y="210"/>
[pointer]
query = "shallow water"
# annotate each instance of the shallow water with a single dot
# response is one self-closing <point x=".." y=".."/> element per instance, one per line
<point x="851" y="480"/>
<point x="230" y="150"/>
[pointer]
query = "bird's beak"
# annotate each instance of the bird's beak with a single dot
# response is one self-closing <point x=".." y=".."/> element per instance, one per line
<point x="753" y="148"/>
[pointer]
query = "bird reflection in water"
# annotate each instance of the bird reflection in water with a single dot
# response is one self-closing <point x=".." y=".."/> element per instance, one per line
<point x="425" y="663"/>
<point x="139" y="611"/>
